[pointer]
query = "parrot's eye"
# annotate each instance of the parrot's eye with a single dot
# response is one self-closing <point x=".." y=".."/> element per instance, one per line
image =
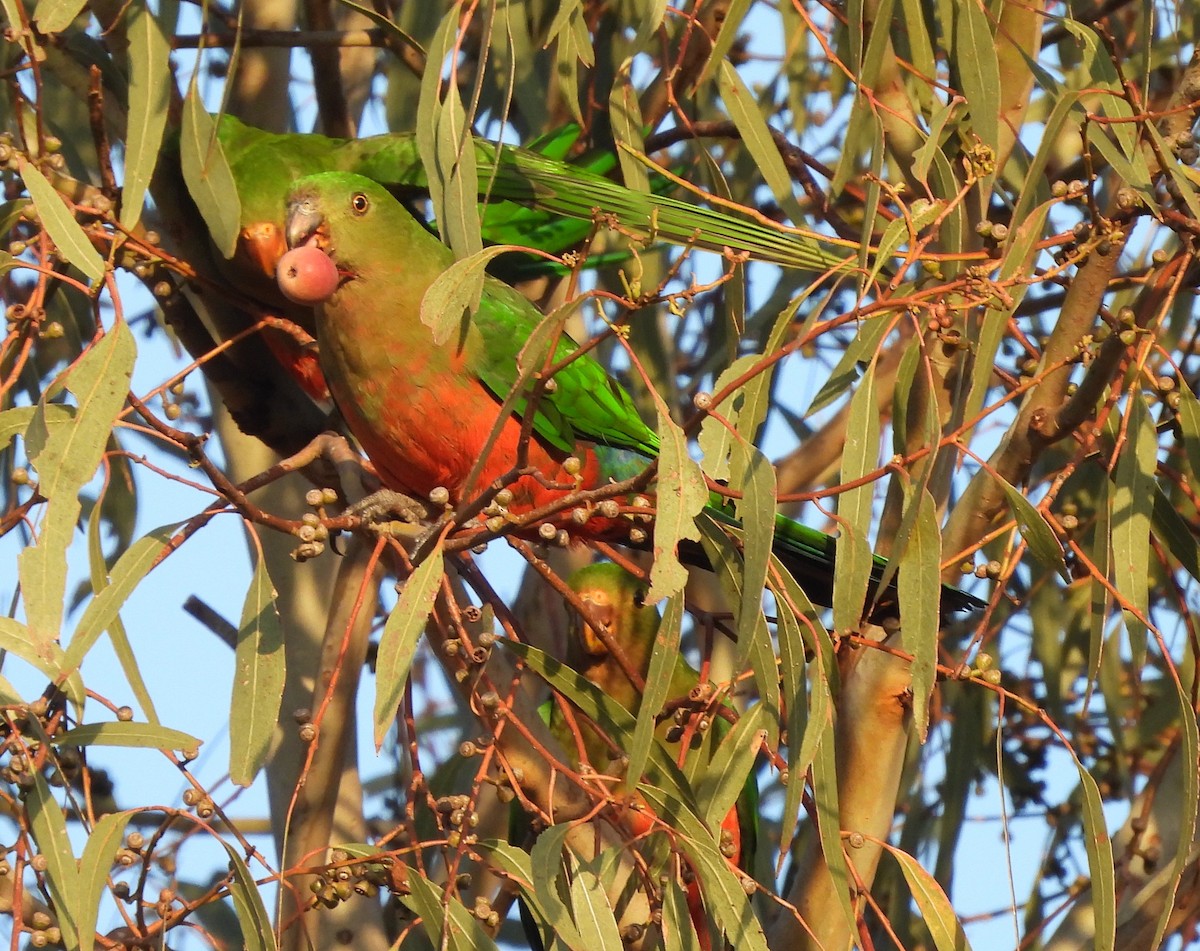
<point x="639" y="598"/>
<point x="360" y="203"/>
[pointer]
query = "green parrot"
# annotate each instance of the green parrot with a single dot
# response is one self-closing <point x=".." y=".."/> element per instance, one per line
<point x="425" y="411"/>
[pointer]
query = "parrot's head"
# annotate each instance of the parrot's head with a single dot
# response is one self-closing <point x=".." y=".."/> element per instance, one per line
<point x="616" y="599"/>
<point x="331" y="218"/>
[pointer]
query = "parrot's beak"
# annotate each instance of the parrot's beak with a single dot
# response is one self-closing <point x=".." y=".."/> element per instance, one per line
<point x="304" y="222"/>
<point x="605" y="612"/>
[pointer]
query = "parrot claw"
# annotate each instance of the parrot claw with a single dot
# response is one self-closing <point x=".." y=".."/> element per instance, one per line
<point x="391" y="512"/>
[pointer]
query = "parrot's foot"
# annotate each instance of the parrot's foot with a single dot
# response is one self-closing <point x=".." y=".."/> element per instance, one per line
<point x="388" y="512"/>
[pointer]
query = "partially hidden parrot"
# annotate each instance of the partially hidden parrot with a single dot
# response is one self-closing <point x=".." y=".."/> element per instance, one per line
<point x="424" y="411"/>
<point x="617" y="599"/>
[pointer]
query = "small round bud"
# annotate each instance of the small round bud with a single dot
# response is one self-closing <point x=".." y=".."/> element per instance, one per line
<point x="550" y="386"/>
<point x="609" y="508"/>
<point x="572" y="465"/>
<point x="547" y="531"/>
<point x="314" y="497"/>
<point x="162" y="289"/>
<point x="495" y="524"/>
<point x="999" y="232"/>
<point x="329" y="495"/>
<point x="637" y="536"/>
<point x="467" y="749"/>
<point x="125" y="714"/>
<point x="439" y="495"/>
<point x="992" y="677"/>
<point x="20" y="476"/>
<point x="307" y="732"/>
<point x="702" y="401"/>
<point x="135" y="840"/>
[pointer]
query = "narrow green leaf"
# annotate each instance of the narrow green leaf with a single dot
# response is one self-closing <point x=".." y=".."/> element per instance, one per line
<point x="724" y="896"/>
<point x="458" y="216"/>
<point x="569" y="32"/>
<point x="724" y="779"/>
<point x="54" y="16"/>
<point x="756" y="136"/>
<point x="731" y="26"/>
<point x="663" y="660"/>
<point x="1100" y="859"/>
<point x="534" y="867"/>
<point x="208" y="175"/>
<point x="447" y="922"/>
<point x="809" y="708"/>
<point x="1036" y="531"/>
<point x="1132" y="505"/>
<point x="591" y="908"/>
<point x="978" y="69"/>
<point x="60" y="224"/>
<point x="132" y="735"/>
<point x="852" y="571"/>
<point x="755" y="478"/>
<point x="723" y="544"/>
<point x="1189" y="423"/>
<point x="14" y="421"/>
<point x="259" y="674"/>
<point x="861" y="350"/>
<point x="829" y="829"/>
<point x="607" y="714"/>
<point x="944" y="926"/>
<point x="446" y="306"/>
<point x="49" y="829"/>
<point x="680" y="495"/>
<point x="679" y="934"/>
<point x="97" y="862"/>
<point x="98" y="571"/>
<point x="655" y="10"/>
<point x="626" y="117"/>
<point x="66" y="459"/>
<point x="716" y="440"/>
<point x="923" y="157"/>
<point x="46" y="656"/>
<point x="248" y="905"/>
<point x="126" y="574"/>
<point x="900" y="231"/>
<point x="919" y="586"/>
<point x="149" y="96"/>
<point x="400" y="637"/>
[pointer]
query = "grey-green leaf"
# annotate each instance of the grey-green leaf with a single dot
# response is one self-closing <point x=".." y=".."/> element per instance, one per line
<point x="208" y="175"/>
<point x="131" y="735"/>
<point x="149" y="96"/>
<point x="259" y="674"/>
<point x="401" y="634"/>
<point x="60" y="224"/>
